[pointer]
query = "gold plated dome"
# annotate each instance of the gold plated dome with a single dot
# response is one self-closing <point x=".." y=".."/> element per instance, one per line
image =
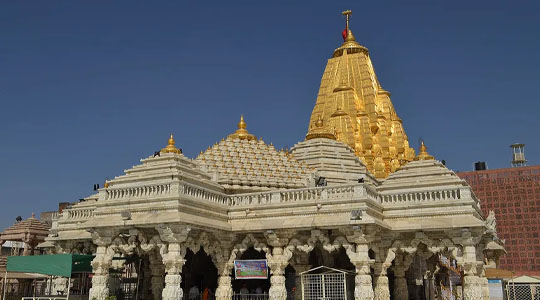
<point x="171" y="148"/>
<point x="423" y="155"/>
<point x="242" y="133"/>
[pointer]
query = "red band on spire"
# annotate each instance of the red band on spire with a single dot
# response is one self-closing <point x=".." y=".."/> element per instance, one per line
<point x="344" y="34"/>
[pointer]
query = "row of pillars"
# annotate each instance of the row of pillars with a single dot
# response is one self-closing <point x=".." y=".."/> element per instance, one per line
<point x="474" y="287"/>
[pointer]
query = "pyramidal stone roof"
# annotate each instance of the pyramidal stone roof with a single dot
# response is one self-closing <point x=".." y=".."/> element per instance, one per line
<point x="169" y="164"/>
<point x="20" y="230"/>
<point x="332" y="160"/>
<point x="244" y="164"/>
<point x="423" y="172"/>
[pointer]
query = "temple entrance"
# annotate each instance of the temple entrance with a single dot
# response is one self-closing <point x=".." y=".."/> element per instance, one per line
<point x="199" y="276"/>
<point x="250" y="289"/>
<point x="337" y="259"/>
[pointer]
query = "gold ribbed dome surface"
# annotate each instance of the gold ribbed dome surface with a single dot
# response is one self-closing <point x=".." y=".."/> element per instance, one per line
<point x="359" y="111"/>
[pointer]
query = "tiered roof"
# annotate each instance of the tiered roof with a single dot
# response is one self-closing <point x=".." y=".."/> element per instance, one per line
<point x="332" y="159"/>
<point x="244" y="164"/>
<point x="423" y="172"/>
<point x="29" y="230"/>
<point x="168" y="164"/>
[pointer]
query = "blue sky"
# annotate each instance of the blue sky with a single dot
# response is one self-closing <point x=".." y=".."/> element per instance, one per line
<point x="90" y="87"/>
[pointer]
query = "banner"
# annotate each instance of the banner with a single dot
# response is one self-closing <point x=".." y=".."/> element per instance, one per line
<point x="251" y="269"/>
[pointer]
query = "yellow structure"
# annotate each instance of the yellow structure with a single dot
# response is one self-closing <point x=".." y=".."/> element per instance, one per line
<point x="353" y="106"/>
<point x="171" y="148"/>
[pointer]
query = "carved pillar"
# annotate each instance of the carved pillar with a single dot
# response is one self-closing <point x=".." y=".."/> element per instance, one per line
<point x="363" y="289"/>
<point x="382" y="290"/>
<point x="157" y="271"/>
<point x="385" y="256"/>
<point x="173" y="258"/>
<point x="173" y="261"/>
<point x="100" y="265"/>
<point x="277" y="262"/>
<point x="401" y="291"/>
<point x="485" y="288"/>
<point x="224" y="261"/>
<point x="472" y="285"/>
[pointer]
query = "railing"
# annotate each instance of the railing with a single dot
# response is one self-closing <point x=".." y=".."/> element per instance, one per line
<point x="202" y="193"/>
<point x="298" y="195"/>
<point x="45" y="298"/>
<point x="250" y="296"/>
<point x="328" y="193"/>
<point x="422" y="196"/>
<point x="55" y="216"/>
<point x="138" y="192"/>
<point x="81" y="213"/>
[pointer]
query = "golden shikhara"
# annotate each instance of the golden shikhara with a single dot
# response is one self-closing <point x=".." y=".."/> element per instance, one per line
<point x="354" y="107"/>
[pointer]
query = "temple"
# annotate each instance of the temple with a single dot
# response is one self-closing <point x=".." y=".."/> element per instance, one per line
<point x="352" y="197"/>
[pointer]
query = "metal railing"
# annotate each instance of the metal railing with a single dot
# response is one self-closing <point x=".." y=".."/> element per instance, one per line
<point x="523" y="291"/>
<point x="250" y="296"/>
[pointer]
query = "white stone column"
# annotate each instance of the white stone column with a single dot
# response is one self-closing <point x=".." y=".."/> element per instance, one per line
<point x="224" y="265"/>
<point x="382" y="290"/>
<point x="363" y="289"/>
<point x="173" y="261"/>
<point x="472" y="286"/>
<point x="277" y="262"/>
<point x="100" y="265"/>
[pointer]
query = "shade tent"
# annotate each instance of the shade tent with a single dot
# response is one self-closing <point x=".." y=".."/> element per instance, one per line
<point x="57" y="264"/>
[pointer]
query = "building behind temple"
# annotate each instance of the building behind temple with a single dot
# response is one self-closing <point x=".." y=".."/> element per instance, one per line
<point x="513" y="194"/>
<point x="353" y="195"/>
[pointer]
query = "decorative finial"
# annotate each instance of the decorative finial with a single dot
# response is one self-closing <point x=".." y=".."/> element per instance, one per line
<point x="33" y="215"/>
<point x="171" y="148"/>
<point x="319" y="131"/>
<point x="347" y="33"/>
<point x="242" y="133"/>
<point x="242" y="124"/>
<point x="347" y="14"/>
<point x="423" y="155"/>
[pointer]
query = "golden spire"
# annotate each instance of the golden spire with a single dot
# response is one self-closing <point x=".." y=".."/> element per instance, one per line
<point x="423" y="155"/>
<point x="241" y="132"/>
<point x="320" y="131"/>
<point x="171" y="148"/>
<point x="358" y="111"/>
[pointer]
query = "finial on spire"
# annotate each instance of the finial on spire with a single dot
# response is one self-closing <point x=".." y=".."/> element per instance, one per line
<point x="423" y="155"/>
<point x="171" y="148"/>
<point x="242" y="124"/>
<point x="241" y="132"/>
<point x="347" y="14"/>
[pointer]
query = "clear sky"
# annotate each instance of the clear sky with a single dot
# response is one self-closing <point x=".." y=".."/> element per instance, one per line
<point x="90" y="87"/>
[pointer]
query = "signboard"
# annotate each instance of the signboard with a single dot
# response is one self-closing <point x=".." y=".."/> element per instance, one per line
<point x="251" y="269"/>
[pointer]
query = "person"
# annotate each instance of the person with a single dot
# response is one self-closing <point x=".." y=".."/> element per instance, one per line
<point x="258" y="290"/>
<point x="194" y="293"/>
<point x="206" y="293"/>
<point x="244" y="292"/>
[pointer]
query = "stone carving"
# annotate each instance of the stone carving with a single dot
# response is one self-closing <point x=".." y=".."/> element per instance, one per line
<point x="472" y="288"/>
<point x="172" y="290"/>
<point x="491" y="225"/>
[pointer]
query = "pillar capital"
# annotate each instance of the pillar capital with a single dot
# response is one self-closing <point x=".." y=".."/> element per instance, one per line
<point x="173" y="233"/>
